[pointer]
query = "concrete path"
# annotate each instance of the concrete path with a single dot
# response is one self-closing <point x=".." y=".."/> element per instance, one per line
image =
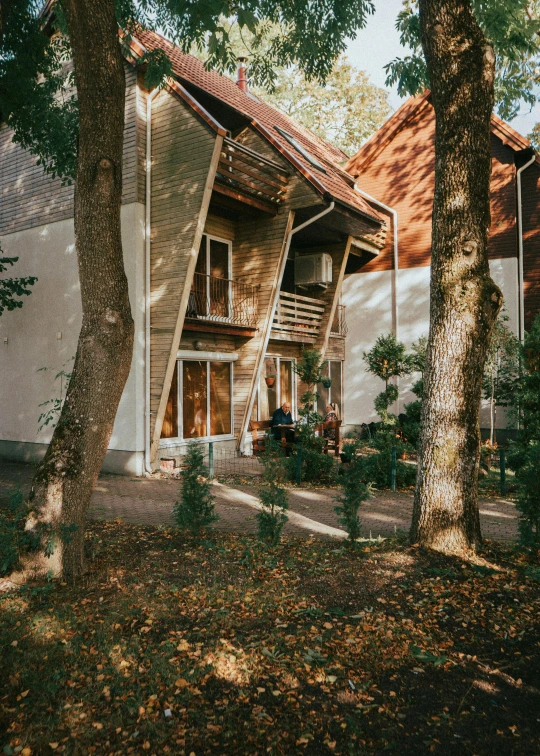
<point x="150" y="501"/>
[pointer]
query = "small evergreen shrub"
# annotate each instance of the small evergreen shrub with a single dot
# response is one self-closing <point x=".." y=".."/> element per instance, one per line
<point x="272" y="495"/>
<point x="195" y="511"/>
<point x="527" y="464"/>
<point x="355" y="491"/>
<point x="374" y="469"/>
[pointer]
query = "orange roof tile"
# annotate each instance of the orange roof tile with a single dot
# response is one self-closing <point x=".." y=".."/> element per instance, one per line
<point x="334" y="184"/>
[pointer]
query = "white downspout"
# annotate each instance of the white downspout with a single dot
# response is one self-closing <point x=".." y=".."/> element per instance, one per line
<point x="272" y="314"/>
<point x="520" y="248"/>
<point x="395" y="309"/>
<point x="147" y="241"/>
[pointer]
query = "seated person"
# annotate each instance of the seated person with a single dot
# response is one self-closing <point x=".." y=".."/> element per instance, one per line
<point x="331" y="415"/>
<point x="282" y="416"/>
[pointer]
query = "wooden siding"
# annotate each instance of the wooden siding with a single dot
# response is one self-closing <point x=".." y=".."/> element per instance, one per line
<point x="222" y="227"/>
<point x="30" y="198"/>
<point x="335" y="349"/>
<point x="184" y="156"/>
<point x="530" y="187"/>
<point x="402" y="176"/>
<point x="258" y="258"/>
<point x="330" y="296"/>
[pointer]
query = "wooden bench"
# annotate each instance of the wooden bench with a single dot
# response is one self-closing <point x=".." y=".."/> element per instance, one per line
<point x="330" y="442"/>
<point x="260" y="430"/>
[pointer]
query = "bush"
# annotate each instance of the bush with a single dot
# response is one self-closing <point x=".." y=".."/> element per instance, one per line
<point x="195" y="511"/>
<point x="272" y="495"/>
<point x="13" y="537"/>
<point x="316" y="467"/>
<point x="355" y="491"/>
<point x="526" y="464"/>
<point x="410" y="422"/>
<point x="375" y="469"/>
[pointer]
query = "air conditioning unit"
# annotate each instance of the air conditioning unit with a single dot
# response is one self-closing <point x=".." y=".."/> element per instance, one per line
<point x="313" y="270"/>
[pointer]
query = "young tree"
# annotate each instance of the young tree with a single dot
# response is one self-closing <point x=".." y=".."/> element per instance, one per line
<point x="31" y="74"/>
<point x="195" y="510"/>
<point x="388" y="359"/>
<point x="501" y="372"/>
<point x="457" y="38"/>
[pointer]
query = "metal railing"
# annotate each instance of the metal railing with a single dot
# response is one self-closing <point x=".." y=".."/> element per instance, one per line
<point x="339" y="326"/>
<point x="246" y="176"/>
<point x="298" y="316"/>
<point x="223" y="300"/>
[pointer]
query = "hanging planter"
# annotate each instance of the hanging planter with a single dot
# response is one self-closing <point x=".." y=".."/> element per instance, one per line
<point x="270" y="380"/>
<point x="326" y="382"/>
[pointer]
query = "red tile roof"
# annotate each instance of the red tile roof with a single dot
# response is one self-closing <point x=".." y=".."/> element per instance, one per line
<point x="369" y="151"/>
<point x="334" y="184"/>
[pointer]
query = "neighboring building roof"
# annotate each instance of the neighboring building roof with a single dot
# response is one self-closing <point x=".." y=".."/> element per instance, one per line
<point x="334" y="183"/>
<point x="412" y="107"/>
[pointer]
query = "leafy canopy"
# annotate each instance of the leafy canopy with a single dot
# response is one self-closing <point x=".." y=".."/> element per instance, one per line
<point x="13" y="288"/>
<point x="36" y="84"/>
<point x="511" y="26"/>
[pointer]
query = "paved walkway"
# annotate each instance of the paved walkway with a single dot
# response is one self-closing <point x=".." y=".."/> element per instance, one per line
<point x="150" y="501"/>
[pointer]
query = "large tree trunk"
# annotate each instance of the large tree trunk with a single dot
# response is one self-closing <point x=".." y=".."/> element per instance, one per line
<point x="464" y="300"/>
<point x="64" y="482"/>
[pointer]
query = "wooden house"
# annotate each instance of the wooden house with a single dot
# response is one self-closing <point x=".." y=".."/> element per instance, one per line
<point x="390" y="292"/>
<point x="238" y="228"/>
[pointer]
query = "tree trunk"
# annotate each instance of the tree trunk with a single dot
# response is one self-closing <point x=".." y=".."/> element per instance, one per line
<point x="464" y="300"/>
<point x="64" y="481"/>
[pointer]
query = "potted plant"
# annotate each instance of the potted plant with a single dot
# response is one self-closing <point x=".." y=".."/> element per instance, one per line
<point x="326" y="381"/>
<point x="270" y="379"/>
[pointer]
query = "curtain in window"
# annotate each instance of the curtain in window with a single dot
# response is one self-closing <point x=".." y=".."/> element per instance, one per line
<point x="170" y="422"/>
<point x="220" y="398"/>
<point x="194" y="399"/>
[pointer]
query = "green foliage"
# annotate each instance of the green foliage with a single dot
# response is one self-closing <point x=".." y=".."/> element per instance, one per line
<point x="195" y="510"/>
<point x="374" y="469"/>
<point x="13" y="537"/>
<point x="501" y="372"/>
<point x="11" y="288"/>
<point x="355" y="491"/>
<point x="345" y="112"/>
<point x="310" y="370"/>
<point x="410" y="425"/>
<point x="388" y="359"/>
<point x="511" y="26"/>
<point x="528" y="498"/>
<point x="272" y="495"/>
<point x="37" y="86"/>
<point x="315" y="467"/>
<point x="53" y="407"/>
<point x="534" y="137"/>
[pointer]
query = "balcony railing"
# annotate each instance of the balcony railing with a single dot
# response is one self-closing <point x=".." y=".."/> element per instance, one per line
<point x="297" y="318"/>
<point x="249" y="177"/>
<point x="223" y="300"/>
<point x="339" y="326"/>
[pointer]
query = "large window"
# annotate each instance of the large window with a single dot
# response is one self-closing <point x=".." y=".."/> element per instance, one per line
<point x="276" y="386"/>
<point x="334" y="394"/>
<point x="200" y="400"/>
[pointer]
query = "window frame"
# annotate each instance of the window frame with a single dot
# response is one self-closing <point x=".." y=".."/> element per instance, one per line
<point x="179" y="440"/>
<point x="329" y="374"/>
<point x="278" y="359"/>
<point x="228" y="242"/>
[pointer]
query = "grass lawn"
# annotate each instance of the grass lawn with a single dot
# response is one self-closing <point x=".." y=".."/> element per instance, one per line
<point x="216" y="646"/>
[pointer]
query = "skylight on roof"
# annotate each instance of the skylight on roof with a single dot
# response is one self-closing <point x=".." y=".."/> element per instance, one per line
<point x="298" y="147"/>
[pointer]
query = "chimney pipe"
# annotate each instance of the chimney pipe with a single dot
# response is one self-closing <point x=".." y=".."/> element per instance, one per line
<point x="242" y="81"/>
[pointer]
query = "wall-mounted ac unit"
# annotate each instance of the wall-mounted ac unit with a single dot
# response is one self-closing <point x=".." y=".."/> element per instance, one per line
<point x="313" y="270"/>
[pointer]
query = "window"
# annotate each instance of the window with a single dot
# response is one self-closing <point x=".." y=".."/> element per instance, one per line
<point x="200" y="400"/>
<point x="334" y="394"/>
<point x="302" y="150"/>
<point x="276" y="387"/>
<point x="211" y="291"/>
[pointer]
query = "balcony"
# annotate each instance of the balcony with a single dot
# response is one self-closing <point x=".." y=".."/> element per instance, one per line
<point x="245" y="176"/>
<point x="339" y="326"/>
<point x="297" y="318"/>
<point x="229" y="305"/>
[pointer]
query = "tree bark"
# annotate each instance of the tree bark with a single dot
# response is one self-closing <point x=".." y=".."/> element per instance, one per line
<point x="464" y="300"/>
<point x="64" y="481"/>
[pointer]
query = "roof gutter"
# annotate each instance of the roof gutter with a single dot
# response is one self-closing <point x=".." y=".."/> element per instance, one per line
<point x="521" y="286"/>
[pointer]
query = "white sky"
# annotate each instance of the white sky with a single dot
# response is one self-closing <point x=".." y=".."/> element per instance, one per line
<point x="378" y="44"/>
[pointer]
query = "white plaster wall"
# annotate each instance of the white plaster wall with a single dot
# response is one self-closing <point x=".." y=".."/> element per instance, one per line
<point x="54" y="308"/>
<point x="368" y="297"/>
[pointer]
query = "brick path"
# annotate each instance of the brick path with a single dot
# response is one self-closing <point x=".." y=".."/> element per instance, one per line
<point x="150" y="501"/>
